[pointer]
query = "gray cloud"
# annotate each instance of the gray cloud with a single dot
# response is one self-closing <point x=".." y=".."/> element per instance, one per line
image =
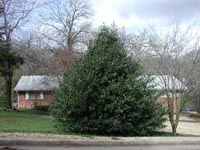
<point x="185" y="9"/>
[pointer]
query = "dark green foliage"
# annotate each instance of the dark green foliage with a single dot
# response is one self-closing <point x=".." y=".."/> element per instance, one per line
<point x="44" y="108"/>
<point x="102" y="94"/>
<point x="9" y="61"/>
<point x="3" y="100"/>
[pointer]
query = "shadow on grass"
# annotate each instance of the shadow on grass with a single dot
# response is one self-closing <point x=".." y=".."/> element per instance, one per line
<point x="33" y="111"/>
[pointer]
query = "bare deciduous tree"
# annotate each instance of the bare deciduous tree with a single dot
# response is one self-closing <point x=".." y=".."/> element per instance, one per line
<point x="169" y="49"/>
<point x="171" y="53"/>
<point x="13" y="13"/>
<point x="66" y="26"/>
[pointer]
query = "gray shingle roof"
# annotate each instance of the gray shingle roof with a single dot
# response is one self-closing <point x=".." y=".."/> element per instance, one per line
<point x="37" y="83"/>
<point x="167" y="82"/>
<point x="48" y="83"/>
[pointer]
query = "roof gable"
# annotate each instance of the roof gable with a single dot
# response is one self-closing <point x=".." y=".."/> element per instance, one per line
<point x="50" y="83"/>
<point x="167" y="82"/>
<point x="37" y="83"/>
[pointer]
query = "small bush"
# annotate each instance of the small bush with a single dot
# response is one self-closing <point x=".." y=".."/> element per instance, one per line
<point x="44" y="108"/>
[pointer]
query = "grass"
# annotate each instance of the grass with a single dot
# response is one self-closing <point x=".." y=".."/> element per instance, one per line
<point x="30" y="121"/>
<point x="40" y="122"/>
<point x="24" y="122"/>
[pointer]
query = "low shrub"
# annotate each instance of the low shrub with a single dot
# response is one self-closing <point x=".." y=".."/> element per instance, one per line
<point x="42" y="107"/>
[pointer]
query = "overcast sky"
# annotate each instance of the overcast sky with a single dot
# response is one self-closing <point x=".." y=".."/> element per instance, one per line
<point x="130" y="13"/>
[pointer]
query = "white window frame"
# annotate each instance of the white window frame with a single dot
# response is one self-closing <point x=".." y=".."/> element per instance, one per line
<point x="27" y="96"/>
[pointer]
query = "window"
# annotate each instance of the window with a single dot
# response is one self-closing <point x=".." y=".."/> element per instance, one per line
<point x="34" y="95"/>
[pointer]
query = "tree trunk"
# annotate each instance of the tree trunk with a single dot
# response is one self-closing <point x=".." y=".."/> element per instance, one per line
<point x="9" y="90"/>
<point x="198" y="103"/>
<point x="171" y="112"/>
<point x="174" y="129"/>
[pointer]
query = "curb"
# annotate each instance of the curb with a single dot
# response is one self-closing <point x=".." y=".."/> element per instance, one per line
<point x="92" y="142"/>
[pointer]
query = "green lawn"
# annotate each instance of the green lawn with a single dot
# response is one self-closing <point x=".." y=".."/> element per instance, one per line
<point x="33" y="122"/>
<point x="26" y="122"/>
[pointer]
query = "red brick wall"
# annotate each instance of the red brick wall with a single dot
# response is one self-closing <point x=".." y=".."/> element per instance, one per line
<point x="24" y="103"/>
<point x="164" y="102"/>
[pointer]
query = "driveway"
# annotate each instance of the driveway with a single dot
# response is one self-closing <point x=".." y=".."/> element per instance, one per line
<point x="186" y="126"/>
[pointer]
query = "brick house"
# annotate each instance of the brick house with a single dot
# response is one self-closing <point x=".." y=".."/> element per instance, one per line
<point x="39" y="90"/>
<point x="35" y="90"/>
<point x="168" y="84"/>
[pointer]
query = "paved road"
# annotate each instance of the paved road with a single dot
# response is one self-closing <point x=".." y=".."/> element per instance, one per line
<point x="152" y="147"/>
